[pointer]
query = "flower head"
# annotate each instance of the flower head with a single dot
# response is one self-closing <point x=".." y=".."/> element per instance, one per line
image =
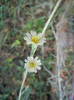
<point x="32" y="64"/>
<point x="34" y="39"/>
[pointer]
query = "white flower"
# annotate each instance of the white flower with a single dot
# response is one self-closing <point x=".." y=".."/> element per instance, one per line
<point x="32" y="64"/>
<point x="34" y="38"/>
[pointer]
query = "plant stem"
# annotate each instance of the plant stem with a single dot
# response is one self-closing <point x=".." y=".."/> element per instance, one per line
<point x="59" y="70"/>
<point x="20" y="93"/>
<point x="51" y="16"/>
<point x="25" y="74"/>
<point x="59" y="83"/>
<point x="50" y="73"/>
<point x="33" y="50"/>
<point x="43" y="32"/>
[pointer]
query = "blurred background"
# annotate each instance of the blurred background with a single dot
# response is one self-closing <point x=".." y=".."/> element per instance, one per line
<point x="17" y="17"/>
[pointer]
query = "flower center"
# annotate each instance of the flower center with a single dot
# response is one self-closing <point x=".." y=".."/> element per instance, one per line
<point x="35" y="39"/>
<point x="32" y="64"/>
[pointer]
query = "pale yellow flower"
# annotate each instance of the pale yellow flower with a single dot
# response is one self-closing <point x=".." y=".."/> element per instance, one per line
<point x="32" y="64"/>
<point x="34" y="39"/>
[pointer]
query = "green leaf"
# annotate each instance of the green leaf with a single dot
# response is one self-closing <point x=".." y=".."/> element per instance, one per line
<point x="15" y="43"/>
<point x="37" y="94"/>
<point x="19" y="68"/>
<point x="10" y="65"/>
<point x="36" y="84"/>
<point x="3" y="97"/>
<point x="9" y="59"/>
<point x="42" y="83"/>
<point x="21" y="62"/>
